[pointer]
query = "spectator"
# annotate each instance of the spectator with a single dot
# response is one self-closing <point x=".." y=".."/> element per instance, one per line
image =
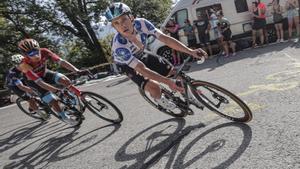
<point x="190" y="34"/>
<point x="262" y="9"/>
<point x="203" y="28"/>
<point x="173" y="28"/>
<point x="277" y="18"/>
<point x="211" y="14"/>
<point x="224" y="28"/>
<point x="292" y="7"/>
<point x="257" y="26"/>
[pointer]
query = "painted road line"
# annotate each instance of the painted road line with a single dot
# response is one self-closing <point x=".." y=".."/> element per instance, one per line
<point x="9" y="106"/>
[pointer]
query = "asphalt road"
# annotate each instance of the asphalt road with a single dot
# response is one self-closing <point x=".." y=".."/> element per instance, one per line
<point x="266" y="78"/>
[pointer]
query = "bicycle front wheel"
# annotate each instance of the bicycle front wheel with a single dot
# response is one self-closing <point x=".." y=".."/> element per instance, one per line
<point x="102" y="107"/>
<point x="221" y="101"/>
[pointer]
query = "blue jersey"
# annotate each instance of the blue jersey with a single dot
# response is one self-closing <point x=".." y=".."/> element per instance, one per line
<point x="124" y="51"/>
<point x="14" y="77"/>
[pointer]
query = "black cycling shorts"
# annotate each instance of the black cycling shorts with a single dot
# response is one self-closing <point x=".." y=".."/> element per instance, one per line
<point x="150" y="62"/>
<point x="49" y="77"/>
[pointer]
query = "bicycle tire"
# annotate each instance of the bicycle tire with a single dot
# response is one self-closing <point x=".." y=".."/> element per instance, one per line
<point x="247" y="116"/>
<point x="104" y="102"/>
<point x="24" y="110"/>
<point x="168" y="112"/>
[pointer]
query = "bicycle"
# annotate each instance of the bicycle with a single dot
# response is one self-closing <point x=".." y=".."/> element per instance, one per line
<point x="200" y="94"/>
<point x="75" y="103"/>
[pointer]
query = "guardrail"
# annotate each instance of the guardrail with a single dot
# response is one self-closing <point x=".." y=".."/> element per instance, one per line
<point x="4" y="97"/>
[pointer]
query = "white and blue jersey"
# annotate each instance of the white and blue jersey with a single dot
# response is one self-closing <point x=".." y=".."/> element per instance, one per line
<point x="124" y="51"/>
<point x="14" y="77"/>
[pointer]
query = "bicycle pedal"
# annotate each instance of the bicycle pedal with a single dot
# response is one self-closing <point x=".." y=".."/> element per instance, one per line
<point x="190" y="113"/>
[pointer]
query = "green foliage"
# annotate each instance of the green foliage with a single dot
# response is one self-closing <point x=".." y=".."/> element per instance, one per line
<point x="153" y="10"/>
<point x="65" y="27"/>
<point x="106" y="44"/>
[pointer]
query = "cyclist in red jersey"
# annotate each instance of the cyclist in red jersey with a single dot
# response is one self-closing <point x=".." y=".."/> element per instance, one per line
<point x="34" y="66"/>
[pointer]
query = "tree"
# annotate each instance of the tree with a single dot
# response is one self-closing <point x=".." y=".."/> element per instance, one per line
<point x="153" y="10"/>
<point x="72" y="20"/>
<point x="58" y="18"/>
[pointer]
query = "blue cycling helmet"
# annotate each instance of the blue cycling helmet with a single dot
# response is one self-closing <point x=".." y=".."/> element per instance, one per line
<point x="115" y="10"/>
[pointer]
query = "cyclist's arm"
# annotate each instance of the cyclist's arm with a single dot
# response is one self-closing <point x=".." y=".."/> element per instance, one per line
<point x="24" y="88"/>
<point x="46" y="86"/>
<point x="63" y="63"/>
<point x="174" y="44"/>
<point x="67" y="65"/>
<point x="146" y="72"/>
<point x="27" y="70"/>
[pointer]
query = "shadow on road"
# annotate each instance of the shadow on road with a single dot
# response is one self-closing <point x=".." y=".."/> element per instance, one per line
<point x="152" y="153"/>
<point x="214" y="147"/>
<point x="58" y="145"/>
<point x="167" y="144"/>
<point x="125" y="79"/>
<point x="22" y="134"/>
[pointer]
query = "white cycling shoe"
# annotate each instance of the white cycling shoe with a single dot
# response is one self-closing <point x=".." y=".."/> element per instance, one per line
<point x="165" y="103"/>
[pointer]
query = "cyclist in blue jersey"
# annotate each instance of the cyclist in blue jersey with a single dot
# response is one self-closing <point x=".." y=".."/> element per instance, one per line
<point x="15" y="81"/>
<point x="127" y="49"/>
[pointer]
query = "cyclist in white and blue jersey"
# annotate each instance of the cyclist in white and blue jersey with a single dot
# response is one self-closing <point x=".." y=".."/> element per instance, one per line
<point x="127" y="50"/>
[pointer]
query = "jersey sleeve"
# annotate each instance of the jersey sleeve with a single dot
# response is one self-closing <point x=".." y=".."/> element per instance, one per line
<point x="123" y="55"/>
<point x="149" y="28"/>
<point x="54" y="57"/>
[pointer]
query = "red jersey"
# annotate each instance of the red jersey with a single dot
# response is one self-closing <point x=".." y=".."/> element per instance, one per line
<point x="39" y="68"/>
<point x="263" y="8"/>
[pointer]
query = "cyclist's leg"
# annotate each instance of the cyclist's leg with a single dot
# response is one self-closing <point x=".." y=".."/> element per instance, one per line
<point x="145" y="84"/>
<point x="20" y="93"/>
<point x="48" y="97"/>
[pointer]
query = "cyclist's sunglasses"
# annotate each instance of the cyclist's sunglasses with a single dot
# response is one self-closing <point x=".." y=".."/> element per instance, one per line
<point x="33" y="53"/>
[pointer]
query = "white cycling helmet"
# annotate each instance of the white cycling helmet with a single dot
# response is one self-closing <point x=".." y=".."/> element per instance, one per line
<point x="17" y="58"/>
<point x="115" y="10"/>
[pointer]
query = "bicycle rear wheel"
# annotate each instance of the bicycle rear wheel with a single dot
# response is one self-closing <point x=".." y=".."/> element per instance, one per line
<point x="102" y="107"/>
<point x="175" y="113"/>
<point x="24" y="107"/>
<point x="221" y="101"/>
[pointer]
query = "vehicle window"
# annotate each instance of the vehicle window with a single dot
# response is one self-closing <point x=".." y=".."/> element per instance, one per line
<point x="207" y="10"/>
<point x="241" y="6"/>
<point x="180" y="17"/>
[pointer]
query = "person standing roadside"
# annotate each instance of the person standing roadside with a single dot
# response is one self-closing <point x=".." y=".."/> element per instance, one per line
<point x="262" y="9"/>
<point x="277" y="19"/>
<point x="203" y="28"/>
<point x="190" y="34"/>
<point x="173" y="28"/>
<point x="224" y="28"/>
<point x="292" y="7"/>
<point x="257" y="26"/>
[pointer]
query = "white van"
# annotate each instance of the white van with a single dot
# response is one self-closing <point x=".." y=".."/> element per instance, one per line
<point x="236" y="11"/>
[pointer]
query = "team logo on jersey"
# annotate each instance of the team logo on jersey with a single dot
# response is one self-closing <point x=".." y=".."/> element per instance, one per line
<point x="143" y="38"/>
<point x="123" y="54"/>
<point x="121" y="39"/>
<point x="149" y="25"/>
<point x="137" y="25"/>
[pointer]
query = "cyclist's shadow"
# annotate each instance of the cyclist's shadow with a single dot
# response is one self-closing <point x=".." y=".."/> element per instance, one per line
<point x="168" y="147"/>
<point x="23" y="133"/>
<point x="159" y="150"/>
<point x="57" y="146"/>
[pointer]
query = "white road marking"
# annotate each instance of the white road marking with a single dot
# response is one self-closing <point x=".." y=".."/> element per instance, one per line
<point x="2" y="108"/>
